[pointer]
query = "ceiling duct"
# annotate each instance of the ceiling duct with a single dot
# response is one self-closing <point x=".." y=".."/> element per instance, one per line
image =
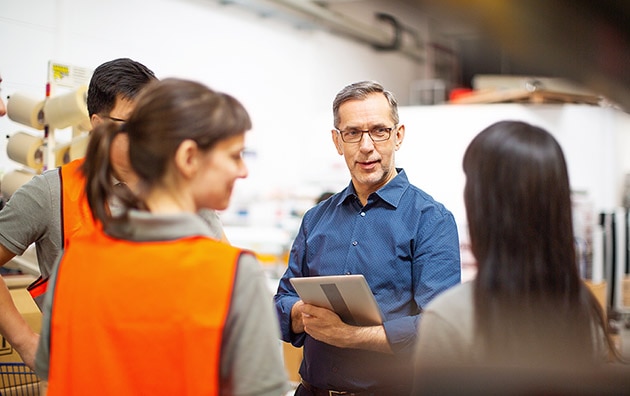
<point x="396" y="40"/>
<point x="318" y="15"/>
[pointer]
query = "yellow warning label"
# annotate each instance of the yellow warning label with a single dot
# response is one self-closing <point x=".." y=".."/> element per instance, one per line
<point x="60" y="71"/>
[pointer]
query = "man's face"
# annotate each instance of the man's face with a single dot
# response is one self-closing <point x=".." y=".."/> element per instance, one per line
<point x="120" y="112"/>
<point x="119" y="152"/>
<point x="371" y="164"/>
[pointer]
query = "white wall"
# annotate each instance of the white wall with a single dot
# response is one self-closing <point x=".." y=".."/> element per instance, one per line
<point x="282" y="74"/>
<point x="594" y="140"/>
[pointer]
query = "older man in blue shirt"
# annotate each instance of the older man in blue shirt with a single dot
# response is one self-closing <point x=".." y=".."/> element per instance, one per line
<point x="396" y="235"/>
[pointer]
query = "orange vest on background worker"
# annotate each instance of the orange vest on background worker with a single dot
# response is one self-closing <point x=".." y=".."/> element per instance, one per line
<point x="76" y="217"/>
<point x="144" y="318"/>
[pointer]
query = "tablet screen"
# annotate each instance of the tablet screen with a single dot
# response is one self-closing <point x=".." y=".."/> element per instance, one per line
<point x="349" y="296"/>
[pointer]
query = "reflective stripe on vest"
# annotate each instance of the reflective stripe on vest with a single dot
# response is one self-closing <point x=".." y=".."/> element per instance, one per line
<point x="146" y="318"/>
<point x="76" y="217"/>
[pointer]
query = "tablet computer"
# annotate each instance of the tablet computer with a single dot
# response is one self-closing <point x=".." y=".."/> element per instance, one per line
<point x="349" y="296"/>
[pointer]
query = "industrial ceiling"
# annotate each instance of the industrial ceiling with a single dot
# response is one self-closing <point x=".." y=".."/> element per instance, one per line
<point x="587" y="41"/>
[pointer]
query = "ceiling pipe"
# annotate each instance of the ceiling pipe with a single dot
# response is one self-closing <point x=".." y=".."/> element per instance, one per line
<point x="342" y="24"/>
<point x="395" y="43"/>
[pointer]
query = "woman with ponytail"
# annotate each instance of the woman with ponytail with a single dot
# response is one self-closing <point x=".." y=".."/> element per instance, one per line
<point x="163" y="308"/>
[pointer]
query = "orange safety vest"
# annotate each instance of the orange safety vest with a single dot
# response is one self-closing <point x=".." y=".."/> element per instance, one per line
<point x="146" y="318"/>
<point x="76" y="217"/>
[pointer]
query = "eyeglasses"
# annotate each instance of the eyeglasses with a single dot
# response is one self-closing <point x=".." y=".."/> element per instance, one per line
<point x="120" y="120"/>
<point x="377" y="134"/>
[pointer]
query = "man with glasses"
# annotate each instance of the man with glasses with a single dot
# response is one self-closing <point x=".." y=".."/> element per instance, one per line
<point x="51" y="208"/>
<point x="396" y="235"/>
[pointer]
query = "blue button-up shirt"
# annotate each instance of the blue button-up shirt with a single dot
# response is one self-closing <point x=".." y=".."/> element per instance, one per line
<point x="407" y="247"/>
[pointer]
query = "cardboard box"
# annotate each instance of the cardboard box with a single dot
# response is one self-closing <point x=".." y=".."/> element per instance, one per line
<point x="14" y="376"/>
<point x="30" y="312"/>
<point x="599" y="290"/>
<point x="292" y="361"/>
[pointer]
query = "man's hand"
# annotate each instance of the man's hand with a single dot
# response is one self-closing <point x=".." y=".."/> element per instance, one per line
<point x="297" y="326"/>
<point x="324" y="325"/>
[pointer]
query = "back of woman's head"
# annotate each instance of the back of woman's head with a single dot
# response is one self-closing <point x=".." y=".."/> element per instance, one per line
<point x="173" y="110"/>
<point x="518" y="203"/>
<point x="167" y="112"/>
<point x="529" y="302"/>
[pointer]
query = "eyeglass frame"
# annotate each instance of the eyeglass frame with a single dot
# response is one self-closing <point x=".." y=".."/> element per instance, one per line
<point x="368" y="131"/>
<point x="114" y="119"/>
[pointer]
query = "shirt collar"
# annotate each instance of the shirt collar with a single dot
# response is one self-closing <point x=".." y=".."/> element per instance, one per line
<point x="146" y="226"/>
<point x="391" y="192"/>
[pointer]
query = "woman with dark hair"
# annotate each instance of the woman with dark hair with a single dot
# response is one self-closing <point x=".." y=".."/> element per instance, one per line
<point x="527" y="306"/>
<point x="163" y="308"/>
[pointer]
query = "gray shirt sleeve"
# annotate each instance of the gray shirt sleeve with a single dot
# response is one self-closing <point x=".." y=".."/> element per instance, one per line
<point x="251" y="362"/>
<point x="42" y="356"/>
<point x="33" y="215"/>
<point x="446" y="330"/>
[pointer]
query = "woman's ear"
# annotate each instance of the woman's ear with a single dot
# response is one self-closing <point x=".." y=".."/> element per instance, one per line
<point x="186" y="158"/>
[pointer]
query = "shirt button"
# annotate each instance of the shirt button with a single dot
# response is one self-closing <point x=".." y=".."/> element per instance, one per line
<point x="348" y="272"/>
<point x="355" y="243"/>
<point x="362" y="214"/>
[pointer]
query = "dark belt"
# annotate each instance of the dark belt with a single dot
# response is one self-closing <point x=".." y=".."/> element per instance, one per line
<point x="329" y="392"/>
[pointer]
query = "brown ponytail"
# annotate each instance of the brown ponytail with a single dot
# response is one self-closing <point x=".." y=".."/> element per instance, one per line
<point x="99" y="173"/>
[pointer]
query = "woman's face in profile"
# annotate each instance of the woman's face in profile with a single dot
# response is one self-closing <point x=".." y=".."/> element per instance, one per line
<point x="219" y="169"/>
